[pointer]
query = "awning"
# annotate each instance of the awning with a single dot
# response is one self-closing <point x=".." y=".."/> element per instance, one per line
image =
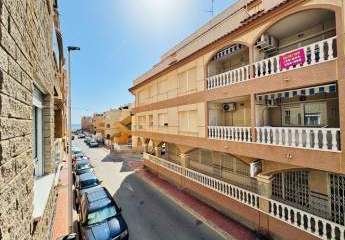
<point x="311" y="91"/>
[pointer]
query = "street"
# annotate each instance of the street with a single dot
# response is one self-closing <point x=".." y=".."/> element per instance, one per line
<point x="149" y="214"/>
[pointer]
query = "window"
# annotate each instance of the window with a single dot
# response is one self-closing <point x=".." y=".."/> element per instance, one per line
<point x="150" y="120"/>
<point x="141" y="122"/>
<point x="162" y="119"/>
<point x="292" y="187"/>
<point x="37" y="132"/>
<point x="188" y="121"/>
<point x="187" y="81"/>
<point x="312" y="119"/>
<point x="287" y="117"/>
<point x="337" y="198"/>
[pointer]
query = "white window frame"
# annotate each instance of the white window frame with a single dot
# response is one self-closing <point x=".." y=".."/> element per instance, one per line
<point x="37" y="135"/>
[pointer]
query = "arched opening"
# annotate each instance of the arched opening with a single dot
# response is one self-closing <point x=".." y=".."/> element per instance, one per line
<point x="170" y="152"/>
<point x="108" y="136"/>
<point x="227" y="59"/>
<point x="296" y="31"/>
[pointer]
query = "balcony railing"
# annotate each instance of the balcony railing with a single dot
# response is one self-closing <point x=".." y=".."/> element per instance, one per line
<point x="312" y="224"/>
<point x="327" y="139"/>
<point x="315" y="53"/>
<point x="310" y="138"/>
<point x="230" y="133"/>
<point x="241" y="195"/>
<point x="230" y="77"/>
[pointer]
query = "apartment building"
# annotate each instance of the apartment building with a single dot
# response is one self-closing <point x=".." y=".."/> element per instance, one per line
<point x="118" y="125"/>
<point x="98" y="124"/>
<point x="33" y="125"/>
<point x="247" y="114"/>
<point x="86" y="123"/>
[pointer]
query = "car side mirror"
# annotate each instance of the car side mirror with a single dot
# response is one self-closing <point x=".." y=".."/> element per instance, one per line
<point x="100" y="181"/>
<point x="120" y="209"/>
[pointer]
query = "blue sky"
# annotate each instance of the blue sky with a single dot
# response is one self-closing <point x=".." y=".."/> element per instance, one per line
<point x="120" y="40"/>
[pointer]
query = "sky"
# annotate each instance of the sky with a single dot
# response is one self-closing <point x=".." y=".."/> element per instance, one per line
<point x="119" y="41"/>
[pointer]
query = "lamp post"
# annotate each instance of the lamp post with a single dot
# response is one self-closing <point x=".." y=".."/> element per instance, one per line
<point x="69" y="162"/>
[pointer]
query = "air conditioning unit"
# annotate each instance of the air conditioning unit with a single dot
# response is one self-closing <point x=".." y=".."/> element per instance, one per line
<point x="255" y="168"/>
<point x="267" y="43"/>
<point x="229" y="107"/>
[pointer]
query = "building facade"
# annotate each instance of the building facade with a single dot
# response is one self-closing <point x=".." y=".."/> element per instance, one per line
<point x="98" y="124"/>
<point x="118" y="125"/>
<point x="248" y="115"/>
<point x="86" y="123"/>
<point x="33" y="125"/>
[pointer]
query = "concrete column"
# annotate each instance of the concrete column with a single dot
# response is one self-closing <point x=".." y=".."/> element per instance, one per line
<point x="253" y="116"/>
<point x="264" y="185"/>
<point x="157" y="151"/>
<point x="184" y="158"/>
<point x="145" y="147"/>
<point x="265" y="190"/>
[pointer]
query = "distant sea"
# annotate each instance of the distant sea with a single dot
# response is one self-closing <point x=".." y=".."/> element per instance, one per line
<point x="76" y="126"/>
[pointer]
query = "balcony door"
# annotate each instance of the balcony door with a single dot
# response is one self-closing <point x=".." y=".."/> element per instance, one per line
<point x="37" y="133"/>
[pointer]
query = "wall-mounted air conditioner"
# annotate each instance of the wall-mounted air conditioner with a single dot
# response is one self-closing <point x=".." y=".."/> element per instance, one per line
<point x="229" y="107"/>
<point x="267" y="43"/>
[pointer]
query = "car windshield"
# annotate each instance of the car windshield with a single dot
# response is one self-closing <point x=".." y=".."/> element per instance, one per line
<point x="89" y="183"/>
<point x="84" y="170"/>
<point x="83" y="164"/>
<point x="101" y="215"/>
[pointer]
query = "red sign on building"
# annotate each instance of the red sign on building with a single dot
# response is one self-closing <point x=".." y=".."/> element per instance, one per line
<point x="292" y="59"/>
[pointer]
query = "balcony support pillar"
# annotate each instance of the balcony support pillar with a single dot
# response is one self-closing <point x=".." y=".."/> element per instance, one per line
<point x="157" y="151"/>
<point x="184" y="159"/>
<point x="145" y="147"/>
<point x="253" y="116"/>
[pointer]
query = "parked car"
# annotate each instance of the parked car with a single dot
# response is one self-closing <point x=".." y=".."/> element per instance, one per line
<point x="81" y="167"/>
<point x="84" y="183"/>
<point x="81" y="135"/>
<point x="76" y="152"/>
<point x="93" y="143"/>
<point x="87" y="140"/>
<point x="100" y="217"/>
<point x="78" y="159"/>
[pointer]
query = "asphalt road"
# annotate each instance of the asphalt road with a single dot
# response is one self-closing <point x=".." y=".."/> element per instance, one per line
<point x="149" y="214"/>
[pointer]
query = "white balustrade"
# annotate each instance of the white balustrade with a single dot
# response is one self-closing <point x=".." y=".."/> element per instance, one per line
<point x="315" y="53"/>
<point x="228" y="78"/>
<point x="317" y="226"/>
<point x="230" y="133"/>
<point x="239" y="194"/>
<point x="311" y="138"/>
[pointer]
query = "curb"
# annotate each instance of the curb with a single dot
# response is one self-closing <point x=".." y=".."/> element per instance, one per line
<point x="210" y="224"/>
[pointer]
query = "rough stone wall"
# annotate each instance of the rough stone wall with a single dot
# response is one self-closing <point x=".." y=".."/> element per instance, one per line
<point x="25" y="59"/>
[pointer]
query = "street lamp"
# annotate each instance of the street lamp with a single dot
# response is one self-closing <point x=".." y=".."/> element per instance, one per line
<point x="69" y="162"/>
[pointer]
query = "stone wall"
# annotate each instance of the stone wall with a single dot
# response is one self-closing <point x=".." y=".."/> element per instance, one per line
<point x="26" y="59"/>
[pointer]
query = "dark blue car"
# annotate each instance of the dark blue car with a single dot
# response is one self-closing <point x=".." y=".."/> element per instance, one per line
<point x="85" y="182"/>
<point x="100" y="217"/>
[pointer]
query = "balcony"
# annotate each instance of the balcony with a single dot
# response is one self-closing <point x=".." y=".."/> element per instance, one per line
<point x="316" y="53"/>
<point x="298" y="218"/>
<point x="326" y="139"/>
<point x="230" y="133"/>
<point x="306" y="118"/>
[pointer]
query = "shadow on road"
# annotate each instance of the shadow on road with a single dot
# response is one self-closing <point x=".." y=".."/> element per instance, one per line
<point x="130" y="161"/>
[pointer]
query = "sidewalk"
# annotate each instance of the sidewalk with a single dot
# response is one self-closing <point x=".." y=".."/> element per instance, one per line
<point x="214" y="219"/>
<point x="60" y="226"/>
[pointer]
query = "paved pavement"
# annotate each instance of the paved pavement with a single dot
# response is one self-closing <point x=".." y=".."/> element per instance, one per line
<point x="149" y="213"/>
